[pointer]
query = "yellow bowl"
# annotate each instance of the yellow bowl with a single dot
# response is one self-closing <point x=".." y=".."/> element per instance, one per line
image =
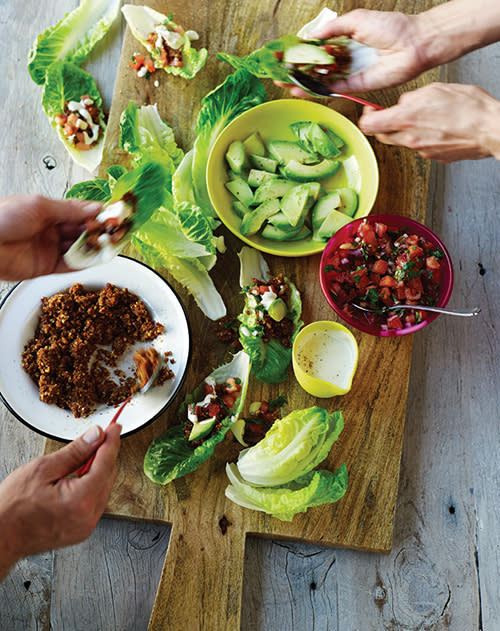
<point x="272" y="120"/>
<point x="325" y="358"/>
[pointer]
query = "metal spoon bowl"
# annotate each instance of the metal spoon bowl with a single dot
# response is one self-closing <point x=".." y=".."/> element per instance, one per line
<point x="475" y="311"/>
<point x="316" y="88"/>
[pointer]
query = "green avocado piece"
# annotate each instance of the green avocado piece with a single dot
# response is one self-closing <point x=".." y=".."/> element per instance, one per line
<point x="294" y="204"/>
<point x="235" y="156"/>
<point x="331" y="224"/>
<point x="253" y="220"/>
<point x="310" y="172"/>
<point x="280" y="220"/>
<point x="312" y="137"/>
<point x="240" y="189"/>
<point x="307" y="54"/>
<point x="323" y="207"/>
<point x="201" y="429"/>
<point x="256" y="177"/>
<point x="255" y="145"/>
<point x="276" y="234"/>
<point x="285" y="150"/>
<point x="271" y="189"/>
<point x="349" y="199"/>
<point x="239" y="208"/>
<point x="277" y="309"/>
<point x="264" y="163"/>
<point x="337" y="140"/>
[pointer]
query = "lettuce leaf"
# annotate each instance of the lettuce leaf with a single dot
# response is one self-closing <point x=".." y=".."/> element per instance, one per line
<point x="270" y="360"/>
<point x="145" y="134"/>
<point x="142" y="22"/>
<point x="263" y="62"/>
<point x="67" y="82"/>
<point x="189" y="272"/>
<point x="93" y="190"/>
<point x="147" y="183"/>
<point x="239" y="92"/>
<point x="170" y="456"/>
<point x="285" y="501"/>
<point x="73" y="37"/>
<point x="292" y="447"/>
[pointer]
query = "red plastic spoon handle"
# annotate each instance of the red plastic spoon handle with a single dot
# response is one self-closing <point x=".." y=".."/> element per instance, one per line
<point x="86" y="466"/>
<point x="358" y="99"/>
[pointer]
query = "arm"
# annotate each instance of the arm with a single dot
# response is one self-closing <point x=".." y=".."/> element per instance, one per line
<point x="442" y="121"/>
<point x="410" y="44"/>
<point x="42" y="509"/>
<point x="36" y="231"/>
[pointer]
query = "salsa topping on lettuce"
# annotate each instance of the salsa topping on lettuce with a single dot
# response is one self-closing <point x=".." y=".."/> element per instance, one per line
<point x="112" y="224"/>
<point x="82" y="122"/>
<point x="206" y="416"/>
<point x="270" y="299"/>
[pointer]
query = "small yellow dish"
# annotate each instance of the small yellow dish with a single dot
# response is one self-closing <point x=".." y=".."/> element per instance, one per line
<point x="325" y="358"/>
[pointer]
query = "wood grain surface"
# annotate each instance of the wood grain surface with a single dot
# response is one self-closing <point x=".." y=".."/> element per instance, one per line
<point x="205" y="559"/>
<point x="441" y="573"/>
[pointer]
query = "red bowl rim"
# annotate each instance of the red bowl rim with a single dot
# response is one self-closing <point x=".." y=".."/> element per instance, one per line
<point x="401" y="222"/>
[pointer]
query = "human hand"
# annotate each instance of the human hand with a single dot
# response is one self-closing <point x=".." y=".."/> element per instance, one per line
<point x="442" y="121"/>
<point x="36" y="231"/>
<point x="42" y="509"/>
<point x="395" y="35"/>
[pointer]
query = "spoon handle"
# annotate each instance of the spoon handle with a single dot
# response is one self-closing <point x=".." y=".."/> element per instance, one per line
<point x="475" y="311"/>
<point x="358" y="99"/>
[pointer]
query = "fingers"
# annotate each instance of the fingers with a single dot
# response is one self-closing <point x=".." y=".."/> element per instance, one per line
<point x="343" y="25"/>
<point x="385" y="121"/>
<point x="65" y="461"/>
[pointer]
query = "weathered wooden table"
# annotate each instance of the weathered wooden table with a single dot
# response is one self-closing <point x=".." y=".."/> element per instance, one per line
<point x="442" y="572"/>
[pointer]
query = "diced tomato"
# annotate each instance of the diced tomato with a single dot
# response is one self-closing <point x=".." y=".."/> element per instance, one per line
<point x="367" y="234"/>
<point x="231" y="385"/>
<point x="213" y="409"/>
<point x="432" y="263"/>
<point x="394" y="322"/>
<point x="179" y="29"/>
<point x="207" y="388"/>
<point x="68" y="130"/>
<point x="61" y="119"/>
<point x="411" y="294"/>
<point x="385" y="296"/>
<point x="380" y="229"/>
<point x="229" y="400"/>
<point x="380" y="266"/>
<point x="415" y="252"/>
<point x="137" y="61"/>
<point x="178" y="63"/>
<point x="149" y="63"/>
<point x="279" y="55"/>
<point x="264" y="407"/>
<point x="388" y="281"/>
<point x="412" y="239"/>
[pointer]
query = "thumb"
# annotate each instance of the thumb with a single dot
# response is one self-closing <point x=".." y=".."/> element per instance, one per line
<point x="69" y="458"/>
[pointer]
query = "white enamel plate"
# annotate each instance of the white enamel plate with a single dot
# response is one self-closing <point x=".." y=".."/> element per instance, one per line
<point x="19" y="313"/>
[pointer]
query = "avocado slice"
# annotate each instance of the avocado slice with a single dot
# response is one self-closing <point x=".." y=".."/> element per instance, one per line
<point x="276" y="234"/>
<point x="309" y="54"/>
<point x="280" y="220"/>
<point x="314" y="139"/>
<point x="253" y="220"/>
<point x="337" y="140"/>
<point x="256" y="177"/>
<point x="331" y="224"/>
<point x="349" y="199"/>
<point x="201" y="428"/>
<point x="277" y="309"/>
<point x="323" y="207"/>
<point x="235" y="156"/>
<point x="294" y="204"/>
<point x="264" y="163"/>
<point x="285" y="150"/>
<point x="254" y="144"/>
<point x="310" y="172"/>
<point x="240" y="209"/>
<point x="240" y="189"/>
<point x="271" y="189"/>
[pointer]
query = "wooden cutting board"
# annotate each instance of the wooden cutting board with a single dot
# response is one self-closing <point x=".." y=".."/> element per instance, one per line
<point x="202" y="577"/>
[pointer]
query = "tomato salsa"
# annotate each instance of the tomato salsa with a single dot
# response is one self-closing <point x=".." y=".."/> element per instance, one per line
<point x="380" y="266"/>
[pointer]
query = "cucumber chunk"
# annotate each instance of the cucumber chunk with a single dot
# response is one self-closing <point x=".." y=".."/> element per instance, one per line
<point x="254" y="219"/>
<point x="235" y="156"/>
<point x="284" y="151"/>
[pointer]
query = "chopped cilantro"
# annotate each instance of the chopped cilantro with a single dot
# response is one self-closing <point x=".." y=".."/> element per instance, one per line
<point x="331" y="268"/>
<point x="372" y="296"/>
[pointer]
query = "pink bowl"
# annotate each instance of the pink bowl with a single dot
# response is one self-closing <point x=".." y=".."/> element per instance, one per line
<point x="348" y="231"/>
